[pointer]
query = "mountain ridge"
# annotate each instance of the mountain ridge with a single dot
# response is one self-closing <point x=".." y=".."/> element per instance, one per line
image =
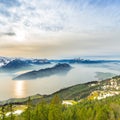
<point x="57" y="69"/>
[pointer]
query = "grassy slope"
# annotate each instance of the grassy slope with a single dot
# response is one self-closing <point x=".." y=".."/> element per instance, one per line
<point x="76" y="92"/>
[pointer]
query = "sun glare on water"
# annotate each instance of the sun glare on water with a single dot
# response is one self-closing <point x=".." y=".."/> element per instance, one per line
<point x="19" y="89"/>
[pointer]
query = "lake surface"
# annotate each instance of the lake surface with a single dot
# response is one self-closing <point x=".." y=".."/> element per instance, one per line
<point x="80" y="73"/>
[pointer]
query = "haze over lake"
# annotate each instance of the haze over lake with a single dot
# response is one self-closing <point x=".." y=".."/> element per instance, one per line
<point x="80" y="73"/>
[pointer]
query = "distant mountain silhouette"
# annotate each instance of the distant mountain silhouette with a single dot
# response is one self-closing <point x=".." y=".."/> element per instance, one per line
<point x="82" y="61"/>
<point x="4" y="61"/>
<point x="17" y="64"/>
<point x="57" y="69"/>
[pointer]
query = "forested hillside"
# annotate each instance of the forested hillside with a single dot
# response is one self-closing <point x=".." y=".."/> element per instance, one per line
<point x="105" y="109"/>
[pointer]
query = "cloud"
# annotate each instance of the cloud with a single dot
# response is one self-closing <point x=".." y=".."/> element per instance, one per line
<point x="8" y="34"/>
<point x="60" y="15"/>
<point x="68" y="26"/>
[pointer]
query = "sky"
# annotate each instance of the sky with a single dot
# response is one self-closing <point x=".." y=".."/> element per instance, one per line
<point x="59" y="28"/>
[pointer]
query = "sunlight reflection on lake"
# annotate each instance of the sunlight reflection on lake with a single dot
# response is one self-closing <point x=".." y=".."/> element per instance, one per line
<point x="19" y="89"/>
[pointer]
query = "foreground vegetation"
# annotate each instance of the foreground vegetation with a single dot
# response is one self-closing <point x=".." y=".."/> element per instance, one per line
<point x="105" y="109"/>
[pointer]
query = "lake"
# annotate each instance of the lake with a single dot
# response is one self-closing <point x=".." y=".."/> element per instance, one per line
<point x="80" y="73"/>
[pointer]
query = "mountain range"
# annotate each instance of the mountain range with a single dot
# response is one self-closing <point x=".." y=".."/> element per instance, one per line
<point x="7" y="62"/>
<point x="13" y="64"/>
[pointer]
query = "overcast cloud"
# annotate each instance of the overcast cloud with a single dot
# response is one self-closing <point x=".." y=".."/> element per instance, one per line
<point x="59" y="28"/>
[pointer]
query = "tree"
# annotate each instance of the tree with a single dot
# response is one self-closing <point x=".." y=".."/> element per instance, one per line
<point x="55" y="109"/>
<point x="3" y="112"/>
<point x="56" y="100"/>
